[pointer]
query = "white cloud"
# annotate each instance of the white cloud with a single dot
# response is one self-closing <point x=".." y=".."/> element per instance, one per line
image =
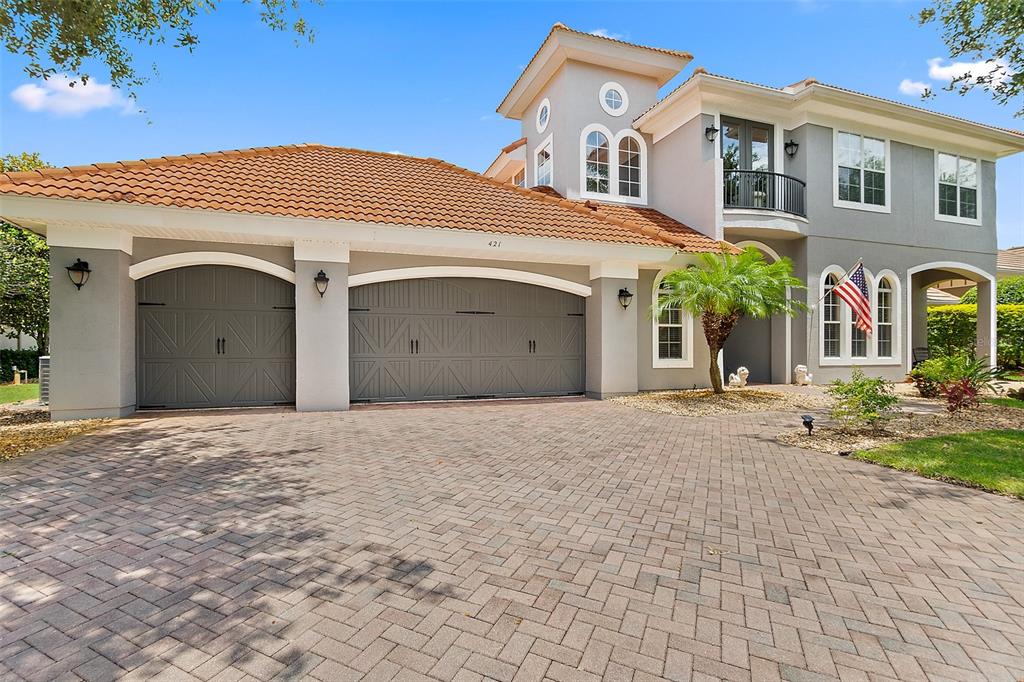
<point x="605" y="33"/>
<point x="947" y="72"/>
<point x="56" y="95"/>
<point x="913" y="88"/>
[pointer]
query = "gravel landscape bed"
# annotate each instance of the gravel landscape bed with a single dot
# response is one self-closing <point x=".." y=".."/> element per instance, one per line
<point x="906" y="426"/>
<point x="23" y="431"/>
<point x="704" y="402"/>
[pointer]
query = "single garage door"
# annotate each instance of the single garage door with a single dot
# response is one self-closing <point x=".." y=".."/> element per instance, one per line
<point x="215" y="336"/>
<point x="435" y="339"/>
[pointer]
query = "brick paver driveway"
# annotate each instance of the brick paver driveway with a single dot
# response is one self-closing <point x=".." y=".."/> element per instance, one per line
<point x="564" y="540"/>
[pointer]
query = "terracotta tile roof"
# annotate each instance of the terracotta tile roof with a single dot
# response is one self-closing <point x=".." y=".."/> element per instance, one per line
<point x="1011" y="259"/>
<point x="335" y="183"/>
<point x="514" y="146"/>
<point x="653" y="219"/>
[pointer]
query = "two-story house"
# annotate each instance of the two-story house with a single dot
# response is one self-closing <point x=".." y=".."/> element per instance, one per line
<point x="318" y="276"/>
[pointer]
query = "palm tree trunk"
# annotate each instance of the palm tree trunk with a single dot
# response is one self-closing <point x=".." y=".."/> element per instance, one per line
<point x="716" y="330"/>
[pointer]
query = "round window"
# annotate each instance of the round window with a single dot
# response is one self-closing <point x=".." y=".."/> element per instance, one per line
<point x="543" y="115"/>
<point x="613" y="99"/>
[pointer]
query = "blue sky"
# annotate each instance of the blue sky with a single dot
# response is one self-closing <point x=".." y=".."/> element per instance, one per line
<point x="425" y="78"/>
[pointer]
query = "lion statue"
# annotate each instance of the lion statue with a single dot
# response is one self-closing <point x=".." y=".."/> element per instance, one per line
<point x="801" y="377"/>
<point x="739" y="379"/>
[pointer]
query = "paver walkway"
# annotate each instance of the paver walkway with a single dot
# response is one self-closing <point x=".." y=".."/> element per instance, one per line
<point x="569" y="540"/>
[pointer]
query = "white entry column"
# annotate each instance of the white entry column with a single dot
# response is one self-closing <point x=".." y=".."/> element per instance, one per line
<point x="321" y="327"/>
<point x="612" y="331"/>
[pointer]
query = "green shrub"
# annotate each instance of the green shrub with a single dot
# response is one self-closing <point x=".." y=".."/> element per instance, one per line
<point x="929" y="375"/>
<point x="1008" y="290"/>
<point x="862" y="401"/>
<point x="952" y="330"/>
<point x="23" y="359"/>
<point x="964" y="387"/>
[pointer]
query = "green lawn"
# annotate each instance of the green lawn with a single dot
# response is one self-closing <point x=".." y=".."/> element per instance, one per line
<point x="1006" y="402"/>
<point x="991" y="460"/>
<point x="9" y="393"/>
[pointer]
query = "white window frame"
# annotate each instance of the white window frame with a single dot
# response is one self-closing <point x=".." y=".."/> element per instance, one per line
<point x="547" y="142"/>
<point x="685" y="362"/>
<point x="613" y="142"/>
<point x="846" y="358"/>
<point x="541" y="128"/>
<point x="956" y="218"/>
<point x="860" y="205"/>
<point x="521" y="182"/>
<point x="612" y="85"/>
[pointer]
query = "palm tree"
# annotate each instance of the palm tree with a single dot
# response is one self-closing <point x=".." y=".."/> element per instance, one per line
<point x="725" y="287"/>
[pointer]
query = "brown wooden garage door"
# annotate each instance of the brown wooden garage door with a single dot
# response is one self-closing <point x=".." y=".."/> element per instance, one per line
<point x="215" y="336"/>
<point x="435" y="339"/>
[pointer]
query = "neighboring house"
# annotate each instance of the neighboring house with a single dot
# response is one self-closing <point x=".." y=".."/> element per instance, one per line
<point x="320" y="275"/>
<point x="22" y="341"/>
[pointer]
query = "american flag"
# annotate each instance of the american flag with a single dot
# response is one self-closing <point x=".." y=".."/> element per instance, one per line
<point x="854" y="290"/>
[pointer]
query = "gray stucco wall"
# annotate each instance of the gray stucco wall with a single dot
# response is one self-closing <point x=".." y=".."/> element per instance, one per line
<point x="574" y="95"/>
<point x="611" y="340"/>
<point x="652" y="378"/>
<point x="682" y="176"/>
<point x="321" y="338"/>
<point x="92" y="331"/>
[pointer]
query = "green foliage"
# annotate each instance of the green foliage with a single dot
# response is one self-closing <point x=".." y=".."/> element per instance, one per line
<point x="27" y="359"/>
<point x="952" y="330"/>
<point x="990" y="460"/>
<point x="726" y="286"/>
<point x="862" y="401"/>
<point x="989" y="30"/>
<point x="1008" y="290"/>
<point x="929" y="375"/>
<point x="62" y="37"/>
<point x="24" y="270"/>
<point x="960" y="379"/>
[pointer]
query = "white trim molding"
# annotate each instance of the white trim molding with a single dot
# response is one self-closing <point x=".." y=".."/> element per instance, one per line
<point x="548" y="144"/>
<point x="613" y="164"/>
<point x="544" y="104"/>
<point x="623" y="107"/>
<point x="861" y="205"/>
<point x="960" y="269"/>
<point x="321" y="251"/>
<point x="189" y="258"/>
<point x="846" y="358"/>
<point x="685" y="362"/>
<point x="89" y="238"/>
<point x="434" y="271"/>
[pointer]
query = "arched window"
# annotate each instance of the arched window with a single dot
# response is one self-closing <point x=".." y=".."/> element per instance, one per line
<point x="598" y="167"/>
<point x="629" y="167"/>
<point x="830" y="319"/>
<point x="884" y="323"/>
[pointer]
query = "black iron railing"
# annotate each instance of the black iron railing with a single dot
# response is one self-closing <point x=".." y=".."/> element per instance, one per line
<point x="764" y="190"/>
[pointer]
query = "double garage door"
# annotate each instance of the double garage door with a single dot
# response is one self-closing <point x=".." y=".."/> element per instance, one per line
<point x="435" y="339"/>
<point x="219" y="336"/>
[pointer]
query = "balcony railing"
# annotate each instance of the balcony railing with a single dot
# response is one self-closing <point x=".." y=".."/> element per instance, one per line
<point x="764" y="190"/>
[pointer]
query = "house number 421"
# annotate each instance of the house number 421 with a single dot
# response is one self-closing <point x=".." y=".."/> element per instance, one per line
<point x="494" y="244"/>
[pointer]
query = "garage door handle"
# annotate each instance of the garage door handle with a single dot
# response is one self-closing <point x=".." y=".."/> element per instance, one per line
<point x="417" y="346"/>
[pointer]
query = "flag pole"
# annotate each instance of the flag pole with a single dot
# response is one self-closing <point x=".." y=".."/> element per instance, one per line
<point x="860" y="261"/>
<point x="814" y="306"/>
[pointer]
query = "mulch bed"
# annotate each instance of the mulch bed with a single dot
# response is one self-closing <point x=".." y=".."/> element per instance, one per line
<point x="906" y="426"/>
<point x="704" y="402"/>
<point x="23" y="431"/>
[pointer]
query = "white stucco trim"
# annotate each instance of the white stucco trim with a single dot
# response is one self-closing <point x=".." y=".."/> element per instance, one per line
<point x="321" y="251"/>
<point x="189" y="258"/>
<point x="959" y="268"/>
<point x="616" y="269"/>
<point x="432" y="271"/>
<point x="613" y="165"/>
<point x="761" y="246"/>
<point x="548" y="144"/>
<point x="612" y="85"/>
<point x="685" y="362"/>
<point x="897" y="317"/>
<point x="89" y="238"/>
<point x="545" y="103"/>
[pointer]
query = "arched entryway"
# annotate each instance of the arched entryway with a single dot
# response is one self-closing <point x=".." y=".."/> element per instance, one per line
<point x="762" y="346"/>
<point x="452" y="338"/>
<point x="214" y="336"/>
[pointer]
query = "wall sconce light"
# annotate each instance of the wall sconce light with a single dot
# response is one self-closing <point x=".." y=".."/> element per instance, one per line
<point x="808" y="423"/>
<point x="711" y="132"/>
<point x="78" y="273"/>
<point x="321" y="281"/>
<point x="625" y="298"/>
<point x="791" y="148"/>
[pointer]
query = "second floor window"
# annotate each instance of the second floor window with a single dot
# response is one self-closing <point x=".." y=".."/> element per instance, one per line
<point x="543" y="162"/>
<point x="519" y="179"/>
<point x="598" y="169"/>
<point x="629" y="167"/>
<point x="958" y="186"/>
<point x="861" y="169"/>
